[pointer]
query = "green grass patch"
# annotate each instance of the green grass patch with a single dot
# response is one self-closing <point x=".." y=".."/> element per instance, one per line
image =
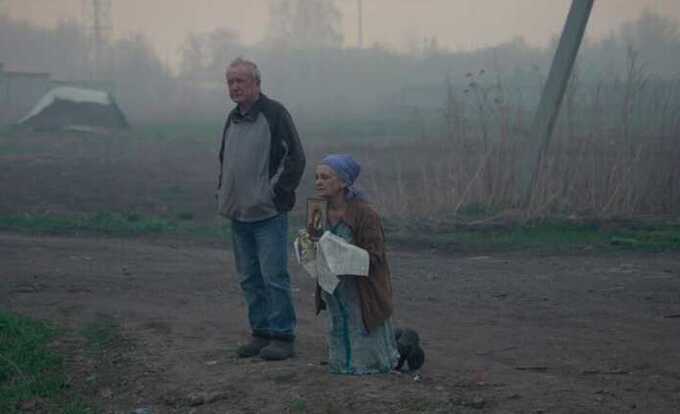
<point x="549" y="236"/>
<point x="541" y="237"/>
<point x="298" y="406"/>
<point x="109" y="223"/>
<point x="119" y="224"/>
<point x="32" y="375"/>
<point x="657" y="237"/>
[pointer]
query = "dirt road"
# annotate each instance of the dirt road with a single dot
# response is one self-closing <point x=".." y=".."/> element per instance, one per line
<point x="511" y="333"/>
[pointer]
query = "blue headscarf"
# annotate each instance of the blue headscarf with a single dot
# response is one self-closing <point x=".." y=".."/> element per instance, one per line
<point x="347" y="170"/>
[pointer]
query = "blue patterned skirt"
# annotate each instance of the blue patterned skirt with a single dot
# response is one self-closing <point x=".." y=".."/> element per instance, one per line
<point x="351" y="348"/>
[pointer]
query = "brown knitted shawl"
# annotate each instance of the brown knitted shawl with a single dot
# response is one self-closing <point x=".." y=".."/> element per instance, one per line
<point x="375" y="291"/>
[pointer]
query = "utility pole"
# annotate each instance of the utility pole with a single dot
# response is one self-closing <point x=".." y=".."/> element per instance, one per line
<point x="360" y="37"/>
<point x="553" y="91"/>
<point x="97" y="15"/>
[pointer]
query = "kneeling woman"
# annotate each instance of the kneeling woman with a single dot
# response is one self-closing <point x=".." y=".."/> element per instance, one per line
<point x="361" y="339"/>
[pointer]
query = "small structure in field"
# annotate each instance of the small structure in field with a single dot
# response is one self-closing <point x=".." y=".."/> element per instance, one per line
<point x="75" y="108"/>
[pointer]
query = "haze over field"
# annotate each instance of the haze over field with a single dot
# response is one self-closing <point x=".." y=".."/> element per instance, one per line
<point x="398" y="24"/>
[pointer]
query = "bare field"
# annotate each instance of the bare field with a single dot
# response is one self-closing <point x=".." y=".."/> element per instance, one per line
<point x="503" y="333"/>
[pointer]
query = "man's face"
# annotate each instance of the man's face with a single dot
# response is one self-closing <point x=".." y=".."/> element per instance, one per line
<point x="242" y="87"/>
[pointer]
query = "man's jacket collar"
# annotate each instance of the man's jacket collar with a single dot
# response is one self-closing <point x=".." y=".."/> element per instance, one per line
<point x="251" y="116"/>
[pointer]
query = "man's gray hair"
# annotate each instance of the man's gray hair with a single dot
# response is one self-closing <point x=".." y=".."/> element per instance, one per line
<point x="252" y="67"/>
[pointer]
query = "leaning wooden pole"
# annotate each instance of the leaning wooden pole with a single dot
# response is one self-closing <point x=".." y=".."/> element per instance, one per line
<point x="553" y="91"/>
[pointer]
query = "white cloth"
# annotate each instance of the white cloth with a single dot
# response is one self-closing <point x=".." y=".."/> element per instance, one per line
<point x="332" y="256"/>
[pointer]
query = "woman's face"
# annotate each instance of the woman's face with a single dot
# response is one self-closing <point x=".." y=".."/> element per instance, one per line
<point x="328" y="184"/>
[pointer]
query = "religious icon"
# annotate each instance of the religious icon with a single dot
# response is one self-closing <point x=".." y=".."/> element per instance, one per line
<point x="317" y="213"/>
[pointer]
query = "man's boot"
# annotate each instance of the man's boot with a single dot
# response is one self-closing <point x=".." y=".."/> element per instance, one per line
<point x="278" y="350"/>
<point x="253" y="347"/>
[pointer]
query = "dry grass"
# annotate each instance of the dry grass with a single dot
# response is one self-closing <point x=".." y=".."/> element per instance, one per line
<point x="615" y="153"/>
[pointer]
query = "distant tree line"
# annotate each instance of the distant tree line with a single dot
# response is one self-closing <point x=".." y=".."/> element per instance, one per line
<point x="304" y="63"/>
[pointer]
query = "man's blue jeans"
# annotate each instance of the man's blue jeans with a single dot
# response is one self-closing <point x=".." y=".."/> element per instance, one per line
<point x="261" y="253"/>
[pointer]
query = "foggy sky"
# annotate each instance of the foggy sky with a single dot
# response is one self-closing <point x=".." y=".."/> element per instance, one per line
<point x="400" y="24"/>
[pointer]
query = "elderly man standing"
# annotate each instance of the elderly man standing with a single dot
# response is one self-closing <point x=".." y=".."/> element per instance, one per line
<point x="261" y="164"/>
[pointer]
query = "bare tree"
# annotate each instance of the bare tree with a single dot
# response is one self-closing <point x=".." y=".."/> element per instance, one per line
<point x="304" y="24"/>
